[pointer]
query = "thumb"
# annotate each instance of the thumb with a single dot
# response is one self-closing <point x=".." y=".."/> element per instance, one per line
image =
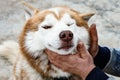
<point x="82" y="50"/>
<point x="51" y="55"/>
<point x="93" y="40"/>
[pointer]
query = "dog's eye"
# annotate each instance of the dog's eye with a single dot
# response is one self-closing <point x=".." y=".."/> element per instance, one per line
<point x="46" y="27"/>
<point x="69" y="24"/>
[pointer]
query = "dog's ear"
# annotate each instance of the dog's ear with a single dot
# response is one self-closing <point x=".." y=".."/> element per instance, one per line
<point x="29" y="14"/>
<point x="86" y="16"/>
<point x="31" y="11"/>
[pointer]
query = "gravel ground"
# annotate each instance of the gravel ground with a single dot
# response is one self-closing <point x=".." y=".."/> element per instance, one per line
<point x="107" y="19"/>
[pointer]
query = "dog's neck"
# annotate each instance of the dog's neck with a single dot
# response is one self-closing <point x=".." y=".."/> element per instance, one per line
<point x="47" y="67"/>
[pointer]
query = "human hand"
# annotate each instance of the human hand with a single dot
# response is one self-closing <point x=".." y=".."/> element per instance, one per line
<point x="93" y="40"/>
<point x="80" y="64"/>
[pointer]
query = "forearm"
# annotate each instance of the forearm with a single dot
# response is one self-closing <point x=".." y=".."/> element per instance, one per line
<point x="98" y="74"/>
<point x="102" y="58"/>
<point x="108" y="60"/>
<point x="113" y="66"/>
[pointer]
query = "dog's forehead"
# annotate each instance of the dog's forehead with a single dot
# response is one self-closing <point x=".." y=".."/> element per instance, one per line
<point x="51" y="17"/>
<point x="58" y="12"/>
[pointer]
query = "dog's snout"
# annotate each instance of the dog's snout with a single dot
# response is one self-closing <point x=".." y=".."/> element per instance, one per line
<point x="66" y="35"/>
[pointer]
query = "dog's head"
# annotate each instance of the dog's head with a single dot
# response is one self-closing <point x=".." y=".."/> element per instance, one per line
<point x="58" y="29"/>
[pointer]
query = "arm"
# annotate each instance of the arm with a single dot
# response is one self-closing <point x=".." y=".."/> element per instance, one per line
<point x="108" y="60"/>
<point x="102" y="57"/>
<point x="113" y="65"/>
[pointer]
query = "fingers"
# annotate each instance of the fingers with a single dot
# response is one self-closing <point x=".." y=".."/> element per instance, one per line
<point x="56" y="59"/>
<point x="94" y="40"/>
<point x="93" y="34"/>
<point x="82" y="50"/>
<point x="51" y="55"/>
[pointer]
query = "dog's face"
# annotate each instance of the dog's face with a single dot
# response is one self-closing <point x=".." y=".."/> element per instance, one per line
<point x="58" y="29"/>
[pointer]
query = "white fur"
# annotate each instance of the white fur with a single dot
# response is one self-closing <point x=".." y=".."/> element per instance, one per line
<point x="9" y="49"/>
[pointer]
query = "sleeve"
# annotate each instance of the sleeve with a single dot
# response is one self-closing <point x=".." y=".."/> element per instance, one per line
<point x="113" y="66"/>
<point x="108" y="59"/>
<point x="97" y="74"/>
<point x="102" y="58"/>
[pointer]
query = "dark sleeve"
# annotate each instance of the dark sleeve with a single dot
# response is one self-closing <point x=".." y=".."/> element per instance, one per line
<point x="97" y="74"/>
<point x="102" y="57"/>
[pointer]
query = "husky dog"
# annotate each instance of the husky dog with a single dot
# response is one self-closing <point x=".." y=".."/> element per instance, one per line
<point x="59" y="29"/>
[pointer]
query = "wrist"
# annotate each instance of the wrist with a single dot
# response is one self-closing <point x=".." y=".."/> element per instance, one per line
<point x="102" y="57"/>
<point x="96" y="74"/>
<point x="86" y="71"/>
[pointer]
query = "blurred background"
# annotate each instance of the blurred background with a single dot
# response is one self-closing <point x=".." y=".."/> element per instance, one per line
<point x="107" y="19"/>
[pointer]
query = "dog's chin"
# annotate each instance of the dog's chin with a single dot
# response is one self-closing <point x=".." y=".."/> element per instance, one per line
<point x="63" y="50"/>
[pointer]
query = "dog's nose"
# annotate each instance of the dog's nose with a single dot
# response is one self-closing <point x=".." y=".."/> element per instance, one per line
<point x="66" y="35"/>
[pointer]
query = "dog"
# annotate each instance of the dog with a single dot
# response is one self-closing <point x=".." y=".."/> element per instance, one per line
<point x="58" y="29"/>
